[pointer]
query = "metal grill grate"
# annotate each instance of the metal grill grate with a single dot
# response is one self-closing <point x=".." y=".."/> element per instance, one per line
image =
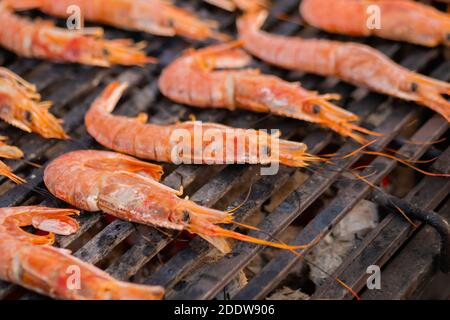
<point x="185" y="268"/>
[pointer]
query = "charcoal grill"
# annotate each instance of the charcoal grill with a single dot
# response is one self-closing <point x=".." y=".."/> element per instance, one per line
<point x="409" y="257"/>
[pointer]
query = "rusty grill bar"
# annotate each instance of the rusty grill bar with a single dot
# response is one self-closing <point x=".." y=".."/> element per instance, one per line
<point x="407" y="255"/>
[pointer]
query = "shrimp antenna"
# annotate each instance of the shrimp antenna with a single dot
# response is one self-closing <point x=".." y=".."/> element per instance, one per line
<point x="273" y="238"/>
<point x="406" y="163"/>
<point x="243" y="202"/>
<point x="372" y="185"/>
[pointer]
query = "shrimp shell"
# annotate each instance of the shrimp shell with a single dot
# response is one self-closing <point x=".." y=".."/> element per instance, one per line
<point x="155" y="142"/>
<point x="352" y="62"/>
<point x="129" y="189"/>
<point x="193" y="79"/>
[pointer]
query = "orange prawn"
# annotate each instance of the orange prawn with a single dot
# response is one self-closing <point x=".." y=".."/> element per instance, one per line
<point x="44" y="40"/>
<point x="129" y="189"/>
<point x="352" y="62"/>
<point x="159" y="17"/>
<point x="157" y="142"/>
<point x="403" y="20"/>
<point x="193" y="79"/>
<point x="9" y="152"/>
<point x="30" y="261"/>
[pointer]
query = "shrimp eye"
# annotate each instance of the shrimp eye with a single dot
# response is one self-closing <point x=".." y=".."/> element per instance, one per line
<point x="28" y="116"/>
<point x="316" y="109"/>
<point x="186" y="217"/>
<point x="414" y="87"/>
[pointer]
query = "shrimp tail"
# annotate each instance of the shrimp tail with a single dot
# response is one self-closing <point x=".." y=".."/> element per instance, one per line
<point x="57" y="221"/>
<point x="6" y="172"/>
<point x="109" y="98"/>
<point x="431" y="93"/>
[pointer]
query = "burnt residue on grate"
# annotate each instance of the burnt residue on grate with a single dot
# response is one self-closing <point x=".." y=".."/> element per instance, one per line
<point x="283" y="206"/>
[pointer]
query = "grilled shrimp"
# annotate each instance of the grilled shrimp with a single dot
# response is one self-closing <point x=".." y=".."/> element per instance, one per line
<point x="44" y="40"/>
<point x="191" y="79"/>
<point x="21" y="106"/>
<point x="158" y="142"/>
<point x="129" y="189"/>
<point x="244" y="5"/>
<point x="403" y="20"/>
<point x="352" y="62"/>
<point x="159" y="17"/>
<point x="30" y="261"/>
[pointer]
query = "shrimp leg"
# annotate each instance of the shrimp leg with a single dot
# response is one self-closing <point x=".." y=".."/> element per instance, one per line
<point x="352" y="62"/>
<point x="207" y="86"/>
<point x="244" y="5"/>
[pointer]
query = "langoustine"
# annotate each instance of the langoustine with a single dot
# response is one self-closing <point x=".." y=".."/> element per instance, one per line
<point x="403" y="20"/>
<point x="158" y="142"/>
<point x="43" y="40"/>
<point x="159" y="17"/>
<point x="193" y="79"/>
<point x="30" y="261"/>
<point x="129" y="189"/>
<point x="352" y="62"/>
